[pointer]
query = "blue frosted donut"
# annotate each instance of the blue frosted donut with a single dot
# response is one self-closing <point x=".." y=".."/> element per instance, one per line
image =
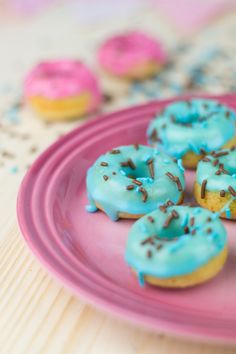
<point x="133" y="180"/>
<point x="176" y="246"/>
<point x="190" y="129"/>
<point x="215" y="185"/>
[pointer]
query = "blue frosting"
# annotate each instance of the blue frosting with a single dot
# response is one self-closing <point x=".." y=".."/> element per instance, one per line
<point x="107" y="181"/>
<point x="207" y="170"/>
<point x="174" y="250"/>
<point x="192" y="125"/>
<point x="219" y="172"/>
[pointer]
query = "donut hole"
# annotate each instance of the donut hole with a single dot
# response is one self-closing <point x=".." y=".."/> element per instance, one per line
<point x="178" y="229"/>
<point x="187" y="118"/>
<point x="141" y="172"/>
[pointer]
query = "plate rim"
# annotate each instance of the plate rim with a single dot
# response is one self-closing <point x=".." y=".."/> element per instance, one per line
<point x="173" y="329"/>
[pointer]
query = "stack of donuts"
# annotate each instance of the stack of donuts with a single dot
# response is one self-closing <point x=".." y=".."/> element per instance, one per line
<point x="173" y="245"/>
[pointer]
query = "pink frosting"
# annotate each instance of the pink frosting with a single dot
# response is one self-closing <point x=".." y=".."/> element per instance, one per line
<point x="62" y="79"/>
<point x="121" y="53"/>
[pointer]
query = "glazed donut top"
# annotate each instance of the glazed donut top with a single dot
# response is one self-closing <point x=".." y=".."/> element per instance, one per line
<point x="173" y="241"/>
<point x="133" y="179"/>
<point x="121" y="53"/>
<point x="198" y="125"/>
<point x="60" y="79"/>
<point x="218" y="170"/>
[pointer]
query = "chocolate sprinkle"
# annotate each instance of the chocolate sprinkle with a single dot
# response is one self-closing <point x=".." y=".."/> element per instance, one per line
<point x="150" y="218"/>
<point x="135" y="181"/>
<point x="176" y="180"/>
<point x="149" y="253"/>
<point x="144" y="193"/>
<point x="232" y="191"/>
<point x="7" y="154"/>
<point x="192" y="221"/>
<point x="209" y="230"/>
<point x="232" y="148"/>
<point x="148" y="240"/>
<point x="173" y="215"/>
<point x="151" y="168"/>
<point x="163" y="208"/>
<point x="159" y="246"/>
<point x="193" y="232"/>
<point x="208" y="219"/>
<point x="130" y="187"/>
<point x="105" y="177"/>
<point x="115" y="152"/>
<point x="202" y="151"/>
<point x="114" y="173"/>
<point x="221" y="153"/>
<point x="136" y="146"/>
<point x="215" y="162"/>
<point x="205" y="159"/>
<point x="128" y="163"/>
<point x="222" y="193"/>
<point x="203" y="188"/>
<point x="154" y="136"/>
<point x="186" y="229"/>
<point x="104" y="164"/>
<point x="107" y="98"/>
<point x="221" y="170"/>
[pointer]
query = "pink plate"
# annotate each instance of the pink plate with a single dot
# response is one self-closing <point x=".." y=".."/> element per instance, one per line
<point x="86" y="251"/>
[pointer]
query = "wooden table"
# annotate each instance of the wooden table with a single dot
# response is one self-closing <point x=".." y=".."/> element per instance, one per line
<point x="37" y="315"/>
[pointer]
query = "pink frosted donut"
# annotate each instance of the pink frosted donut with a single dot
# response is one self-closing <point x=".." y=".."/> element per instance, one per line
<point x="62" y="88"/>
<point x="133" y="55"/>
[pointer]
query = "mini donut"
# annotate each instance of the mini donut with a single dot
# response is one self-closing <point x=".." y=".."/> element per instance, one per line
<point x="133" y="55"/>
<point x="130" y="181"/>
<point x="193" y="128"/>
<point x="62" y="90"/>
<point x="215" y="185"/>
<point x="176" y="246"/>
